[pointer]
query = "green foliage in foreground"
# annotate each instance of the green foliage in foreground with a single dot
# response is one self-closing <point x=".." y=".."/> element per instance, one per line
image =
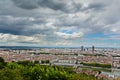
<point x="31" y="71"/>
<point x="2" y="63"/>
<point x="97" y="65"/>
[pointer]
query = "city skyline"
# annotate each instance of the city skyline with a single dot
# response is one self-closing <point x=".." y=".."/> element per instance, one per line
<point x="60" y="23"/>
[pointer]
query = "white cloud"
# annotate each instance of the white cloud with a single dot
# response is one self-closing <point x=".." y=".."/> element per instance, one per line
<point x="17" y="38"/>
<point x="69" y="35"/>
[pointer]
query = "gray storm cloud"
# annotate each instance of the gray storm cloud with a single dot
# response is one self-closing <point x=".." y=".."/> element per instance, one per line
<point x="62" y="5"/>
<point x="26" y="4"/>
<point x="69" y="6"/>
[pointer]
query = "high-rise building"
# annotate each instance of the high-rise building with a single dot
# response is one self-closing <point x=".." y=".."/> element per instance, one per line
<point x="82" y="48"/>
<point x="93" y="49"/>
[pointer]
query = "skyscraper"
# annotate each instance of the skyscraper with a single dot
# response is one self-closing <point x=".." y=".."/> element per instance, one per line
<point x="93" y="49"/>
<point x="82" y="48"/>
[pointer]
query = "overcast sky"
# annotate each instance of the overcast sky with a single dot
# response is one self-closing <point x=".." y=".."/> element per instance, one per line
<point x="60" y="23"/>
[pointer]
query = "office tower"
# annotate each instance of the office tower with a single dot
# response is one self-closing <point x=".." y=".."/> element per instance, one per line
<point x="93" y="49"/>
<point x="82" y="48"/>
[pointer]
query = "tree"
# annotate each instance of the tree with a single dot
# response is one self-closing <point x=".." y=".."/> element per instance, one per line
<point x="2" y="63"/>
<point x="10" y="74"/>
<point x="1" y="60"/>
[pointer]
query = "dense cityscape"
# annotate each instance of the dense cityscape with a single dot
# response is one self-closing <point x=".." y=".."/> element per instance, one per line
<point x="78" y="58"/>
